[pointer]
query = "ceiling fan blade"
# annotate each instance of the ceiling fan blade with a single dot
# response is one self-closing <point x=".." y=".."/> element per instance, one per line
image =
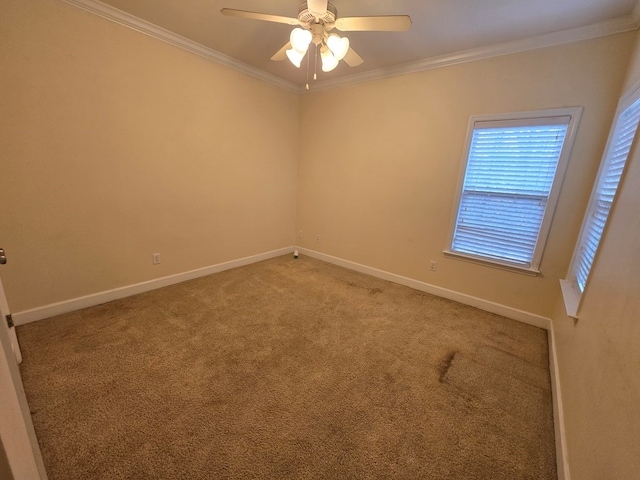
<point x="317" y="7"/>
<point x="282" y="53"/>
<point x="231" y="12"/>
<point x="389" y="23"/>
<point x="352" y="58"/>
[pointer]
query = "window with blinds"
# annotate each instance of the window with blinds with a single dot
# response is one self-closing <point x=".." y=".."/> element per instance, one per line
<point x="514" y="167"/>
<point x="602" y="197"/>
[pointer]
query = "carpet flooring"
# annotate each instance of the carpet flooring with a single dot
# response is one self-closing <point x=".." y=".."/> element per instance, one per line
<point x="289" y="369"/>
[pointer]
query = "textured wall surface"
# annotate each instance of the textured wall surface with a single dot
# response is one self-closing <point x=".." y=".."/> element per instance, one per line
<point x="116" y="146"/>
<point x="599" y="357"/>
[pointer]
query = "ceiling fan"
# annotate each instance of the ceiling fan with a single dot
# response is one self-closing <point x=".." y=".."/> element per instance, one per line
<point x="316" y="19"/>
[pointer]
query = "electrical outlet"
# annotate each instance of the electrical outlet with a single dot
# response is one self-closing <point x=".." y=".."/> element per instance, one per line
<point x="433" y="265"/>
<point x="300" y="234"/>
<point x="317" y="237"/>
<point x="156" y="258"/>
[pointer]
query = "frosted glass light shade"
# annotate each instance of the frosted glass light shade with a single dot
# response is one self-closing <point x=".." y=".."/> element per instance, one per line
<point x="329" y="62"/>
<point x="338" y="46"/>
<point x="300" y="39"/>
<point x="295" y="56"/>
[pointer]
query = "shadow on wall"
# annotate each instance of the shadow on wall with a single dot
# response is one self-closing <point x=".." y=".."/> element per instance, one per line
<point x="5" y="471"/>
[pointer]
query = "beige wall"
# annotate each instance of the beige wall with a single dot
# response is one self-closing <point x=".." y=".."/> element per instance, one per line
<point x="115" y="145"/>
<point x="599" y="357"/>
<point x="380" y="162"/>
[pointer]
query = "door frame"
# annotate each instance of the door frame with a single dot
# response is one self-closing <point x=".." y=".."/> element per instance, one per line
<point x="4" y="311"/>
<point x="16" y="426"/>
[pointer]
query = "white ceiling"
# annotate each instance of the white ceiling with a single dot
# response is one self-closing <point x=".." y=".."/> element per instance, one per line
<point x="440" y="27"/>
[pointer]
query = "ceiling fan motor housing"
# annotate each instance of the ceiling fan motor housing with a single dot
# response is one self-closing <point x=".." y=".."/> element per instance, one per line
<point x="304" y="15"/>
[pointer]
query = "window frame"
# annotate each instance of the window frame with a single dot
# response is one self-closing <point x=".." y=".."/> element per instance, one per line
<point x="575" y="114"/>
<point x="572" y="296"/>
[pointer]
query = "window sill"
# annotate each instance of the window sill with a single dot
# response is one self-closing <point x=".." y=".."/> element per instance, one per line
<point x="493" y="264"/>
<point x="571" y="298"/>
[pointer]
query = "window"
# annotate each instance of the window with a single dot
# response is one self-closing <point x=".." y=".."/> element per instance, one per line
<point x="514" y="169"/>
<point x="604" y="191"/>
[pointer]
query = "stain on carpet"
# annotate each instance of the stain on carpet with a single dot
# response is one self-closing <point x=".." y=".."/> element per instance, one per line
<point x="371" y="290"/>
<point x="445" y="364"/>
<point x="496" y="389"/>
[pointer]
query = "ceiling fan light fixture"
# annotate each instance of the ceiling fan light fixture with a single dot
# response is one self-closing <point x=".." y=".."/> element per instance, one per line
<point x="338" y="46"/>
<point x="313" y="24"/>
<point x="329" y="62"/>
<point x="300" y="39"/>
<point x="295" y="56"/>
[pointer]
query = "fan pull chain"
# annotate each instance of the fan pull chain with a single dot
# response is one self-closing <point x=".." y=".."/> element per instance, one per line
<point x="315" y="65"/>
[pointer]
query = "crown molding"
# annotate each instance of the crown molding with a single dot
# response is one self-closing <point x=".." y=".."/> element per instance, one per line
<point x="127" y="20"/>
<point x="610" y="27"/>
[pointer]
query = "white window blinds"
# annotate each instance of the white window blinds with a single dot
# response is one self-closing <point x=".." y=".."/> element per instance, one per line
<point x="511" y="169"/>
<point x="604" y="192"/>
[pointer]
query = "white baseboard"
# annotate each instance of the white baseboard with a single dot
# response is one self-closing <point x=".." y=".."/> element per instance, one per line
<point x="27" y="316"/>
<point x="492" y="307"/>
<point x="562" y="456"/>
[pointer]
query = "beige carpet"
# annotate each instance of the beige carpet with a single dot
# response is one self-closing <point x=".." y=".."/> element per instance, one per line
<point x="289" y="369"/>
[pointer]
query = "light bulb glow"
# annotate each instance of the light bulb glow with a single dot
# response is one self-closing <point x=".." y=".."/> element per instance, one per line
<point x="329" y="62"/>
<point x="295" y="56"/>
<point x="300" y="39"/>
<point x="338" y="46"/>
